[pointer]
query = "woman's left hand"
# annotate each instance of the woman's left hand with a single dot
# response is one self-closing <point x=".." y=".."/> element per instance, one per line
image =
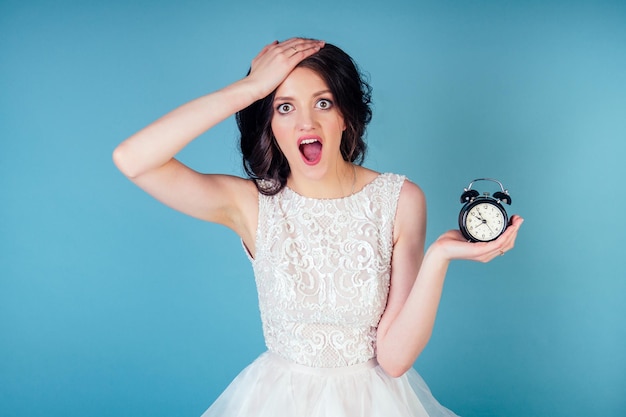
<point x="452" y="245"/>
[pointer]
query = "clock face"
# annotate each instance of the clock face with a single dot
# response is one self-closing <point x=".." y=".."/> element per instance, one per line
<point x="485" y="221"/>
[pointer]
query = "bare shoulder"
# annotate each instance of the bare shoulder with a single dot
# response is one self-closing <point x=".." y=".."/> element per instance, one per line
<point x="244" y="212"/>
<point x="364" y="176"/>
<point x="241" y="194"/>
<point x="412" y="198"/>
<point x="241" y="189"/>
<point x="246" y="195"/>
<point x="239" y="207"/>
<point x="412" y="195"/>
<point x="411" y="211"/>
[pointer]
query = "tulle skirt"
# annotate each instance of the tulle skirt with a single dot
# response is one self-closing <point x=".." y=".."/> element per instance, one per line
<point x="275" y="387"/>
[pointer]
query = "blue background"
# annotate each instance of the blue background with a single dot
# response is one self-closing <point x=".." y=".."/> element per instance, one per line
<point x="113" y="305"/>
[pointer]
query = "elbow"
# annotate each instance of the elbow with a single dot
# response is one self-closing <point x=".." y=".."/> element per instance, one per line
<point x="397" y="372"/>
<point x="121" y="161"/>
<point x="393" y="365"/>
<point x="394" y="369"/>
<point x="396" y="360"/>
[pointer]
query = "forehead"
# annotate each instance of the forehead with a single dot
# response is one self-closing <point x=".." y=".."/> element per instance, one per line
<point x="301" y="81"/>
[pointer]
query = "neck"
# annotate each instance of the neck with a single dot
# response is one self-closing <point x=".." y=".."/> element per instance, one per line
<point x="339" y="183"/>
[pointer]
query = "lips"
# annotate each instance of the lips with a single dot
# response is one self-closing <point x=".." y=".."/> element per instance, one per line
<point x="310" y="149"/>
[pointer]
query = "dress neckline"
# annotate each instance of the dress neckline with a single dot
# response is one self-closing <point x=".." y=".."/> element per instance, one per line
<point x="354" y="194"/>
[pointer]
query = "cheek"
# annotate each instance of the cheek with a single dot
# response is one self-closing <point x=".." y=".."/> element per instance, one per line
<point x="280" y="123"/>
<point x="277" y="127"/>
<point x="341" y="122"/>
<point x="280" y="131"/>
<point x="341" y="125"/>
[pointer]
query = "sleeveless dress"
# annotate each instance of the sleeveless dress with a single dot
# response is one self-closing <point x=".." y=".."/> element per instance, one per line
<point x="322" y="270"/>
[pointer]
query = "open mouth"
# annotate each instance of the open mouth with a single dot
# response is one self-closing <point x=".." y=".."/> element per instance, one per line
<point x="311" y="150"/>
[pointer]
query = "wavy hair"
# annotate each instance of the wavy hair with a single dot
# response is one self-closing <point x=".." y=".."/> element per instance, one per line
<point x="264" y="162"/>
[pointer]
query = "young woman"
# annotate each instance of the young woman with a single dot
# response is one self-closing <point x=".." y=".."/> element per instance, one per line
<point x="347" y="293"/>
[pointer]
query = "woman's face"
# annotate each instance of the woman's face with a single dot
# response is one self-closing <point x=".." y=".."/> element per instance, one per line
<point x="307" y="124"/>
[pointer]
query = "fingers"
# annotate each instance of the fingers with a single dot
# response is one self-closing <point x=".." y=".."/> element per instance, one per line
<point x="302" y="47"/>
<point x="294" y="47"/>
<point x="506" y="242"/>
<point x="265" y="49"/>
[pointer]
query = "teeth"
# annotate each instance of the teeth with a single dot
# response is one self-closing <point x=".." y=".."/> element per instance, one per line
<point x="307" y="141"/>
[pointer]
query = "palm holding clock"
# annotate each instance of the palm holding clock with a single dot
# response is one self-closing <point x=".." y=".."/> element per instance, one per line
<point x="485" y="230"/>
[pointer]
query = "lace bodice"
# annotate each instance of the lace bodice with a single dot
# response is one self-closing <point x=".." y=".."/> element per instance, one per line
<point x="322" y="269"/>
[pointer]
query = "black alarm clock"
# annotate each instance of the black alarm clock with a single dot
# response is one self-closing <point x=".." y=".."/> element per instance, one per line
<point x="483" y="217"/>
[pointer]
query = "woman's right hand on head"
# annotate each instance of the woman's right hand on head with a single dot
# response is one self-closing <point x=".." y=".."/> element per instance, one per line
<point x="276" y="61"/>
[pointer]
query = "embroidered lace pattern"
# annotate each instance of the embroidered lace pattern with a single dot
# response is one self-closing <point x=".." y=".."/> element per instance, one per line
<point x="322" y="270"/>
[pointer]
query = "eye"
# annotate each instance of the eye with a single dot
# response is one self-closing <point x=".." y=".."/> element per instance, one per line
<point x="284" y="108"/>
<point x="324" y="104"/>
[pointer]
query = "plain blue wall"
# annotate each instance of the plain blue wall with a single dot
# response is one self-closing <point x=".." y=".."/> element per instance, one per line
<point x="113" y="305"/>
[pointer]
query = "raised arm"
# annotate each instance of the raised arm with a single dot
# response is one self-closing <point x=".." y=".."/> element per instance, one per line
<point x="147" y="157"/>
<point x="417" y="279"/>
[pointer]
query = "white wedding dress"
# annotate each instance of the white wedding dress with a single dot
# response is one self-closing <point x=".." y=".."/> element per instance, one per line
<point x="322" y="269"/>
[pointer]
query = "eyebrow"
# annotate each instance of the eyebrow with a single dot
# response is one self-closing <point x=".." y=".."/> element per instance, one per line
<point x="288" y="98"/>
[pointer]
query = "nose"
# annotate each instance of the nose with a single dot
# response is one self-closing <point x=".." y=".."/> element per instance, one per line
<point x="306" y="119"/>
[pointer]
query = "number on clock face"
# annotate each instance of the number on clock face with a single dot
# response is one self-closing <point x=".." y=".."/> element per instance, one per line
<point x="484" y="221"/>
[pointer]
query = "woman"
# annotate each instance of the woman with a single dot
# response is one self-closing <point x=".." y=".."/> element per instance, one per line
<point x="348" y="296"/>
